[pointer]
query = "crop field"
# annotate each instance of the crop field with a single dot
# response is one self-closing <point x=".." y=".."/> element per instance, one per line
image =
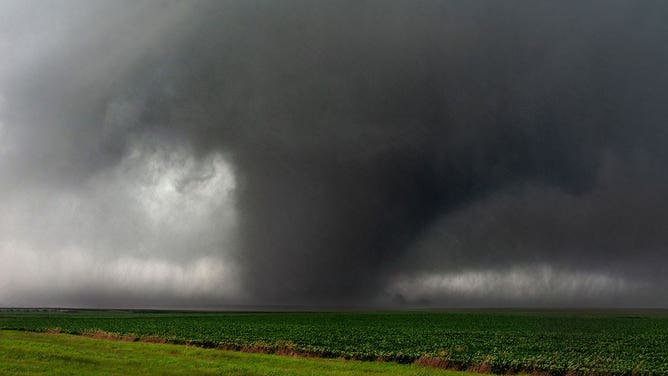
<point x="558" y="343"/>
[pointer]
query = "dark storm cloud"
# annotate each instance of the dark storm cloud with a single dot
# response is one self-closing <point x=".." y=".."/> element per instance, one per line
<point x="372" y="142"/>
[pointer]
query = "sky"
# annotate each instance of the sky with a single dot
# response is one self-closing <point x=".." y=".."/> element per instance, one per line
<point x="213" y="153"/>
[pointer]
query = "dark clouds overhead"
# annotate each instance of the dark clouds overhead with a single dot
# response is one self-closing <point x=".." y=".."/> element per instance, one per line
<point x="345" y="153"/>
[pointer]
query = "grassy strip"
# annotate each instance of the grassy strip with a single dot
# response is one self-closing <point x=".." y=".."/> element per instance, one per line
<point x="27" y="353"/>
<point x="283" y="348"/>
<point x="286" y="348"/>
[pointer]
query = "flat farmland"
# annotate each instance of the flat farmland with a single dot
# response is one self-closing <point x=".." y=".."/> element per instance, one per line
<point x="557" y="343"/>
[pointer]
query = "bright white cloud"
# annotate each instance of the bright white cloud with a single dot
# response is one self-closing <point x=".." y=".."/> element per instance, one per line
<point x="172" y="187"/>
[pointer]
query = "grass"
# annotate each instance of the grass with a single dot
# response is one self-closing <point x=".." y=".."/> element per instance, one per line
<point x="26" y="353"/>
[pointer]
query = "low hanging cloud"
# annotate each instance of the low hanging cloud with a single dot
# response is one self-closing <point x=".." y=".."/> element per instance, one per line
<point x="66" y="278"/>
<point x="542" y="244"/>
<point x="333" y="153"/>
<point x="534" y="285"/>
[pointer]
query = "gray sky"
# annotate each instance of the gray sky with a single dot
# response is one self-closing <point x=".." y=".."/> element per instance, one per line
<point x="333" y="153"/>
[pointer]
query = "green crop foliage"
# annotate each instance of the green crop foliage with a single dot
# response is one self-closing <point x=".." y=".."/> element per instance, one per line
<point x="574" y="342"/>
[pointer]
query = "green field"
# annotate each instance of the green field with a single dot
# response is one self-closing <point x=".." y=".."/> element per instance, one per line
<point x="605" y="343"/>
<point x="24" y="353"/>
